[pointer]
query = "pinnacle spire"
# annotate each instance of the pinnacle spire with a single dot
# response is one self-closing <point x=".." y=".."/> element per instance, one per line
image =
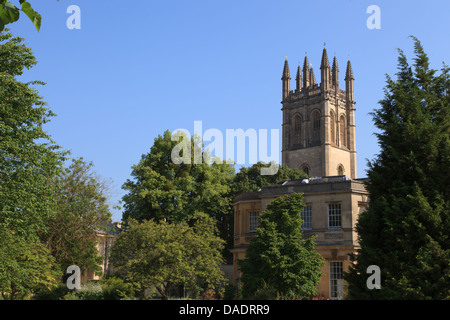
<point x="306" y="72"/>
<point x="349" y="72"/>
<point x="312" y="77"/>
<point x="335" y="65"/>
<point x="286" y="73"/>
<point x="298" y="78"/>
<point x="335" y="73"/>
<point x="324" y="63"/>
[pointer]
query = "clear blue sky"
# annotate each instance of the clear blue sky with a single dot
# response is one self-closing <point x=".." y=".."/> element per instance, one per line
<point x="138" y="68"/>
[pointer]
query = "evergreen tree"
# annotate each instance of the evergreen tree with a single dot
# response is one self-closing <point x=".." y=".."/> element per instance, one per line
<point x="405" y="230"/>
<point x="277" y="258"/>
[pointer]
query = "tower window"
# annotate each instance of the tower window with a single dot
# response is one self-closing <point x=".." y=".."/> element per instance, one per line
<point x="298" y="124"/>
<point x="305" y="169"/>
<point x="332" y="128"/>
<point x="340" y="170"/>
<point x="316" y="127"/>
<point x="297" y="130"/>
<point x="342" y="131"/>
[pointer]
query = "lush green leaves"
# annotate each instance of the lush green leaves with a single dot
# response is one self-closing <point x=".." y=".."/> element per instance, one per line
<point x="278" y="258"/>
<point x="405" y="229"/>
<point x="9" y="13"/>
<point x="165" y="255"/>
<point x="250" y="179"/>
<point x="26" y="267"/>
<point x="81" y="210"/>
<point x="28" y="156"/>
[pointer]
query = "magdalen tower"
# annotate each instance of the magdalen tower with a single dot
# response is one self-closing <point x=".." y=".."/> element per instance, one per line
<point x="319" y="120"/>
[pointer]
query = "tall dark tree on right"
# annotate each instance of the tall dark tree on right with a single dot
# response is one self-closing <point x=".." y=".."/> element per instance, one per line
<point x="406" y="229"/>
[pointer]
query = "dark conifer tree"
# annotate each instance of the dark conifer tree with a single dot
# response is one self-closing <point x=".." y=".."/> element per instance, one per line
<point x="405" y="230"/>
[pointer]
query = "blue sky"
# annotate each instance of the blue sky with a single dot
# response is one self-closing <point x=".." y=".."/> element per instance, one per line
<point x="138" y="68"/>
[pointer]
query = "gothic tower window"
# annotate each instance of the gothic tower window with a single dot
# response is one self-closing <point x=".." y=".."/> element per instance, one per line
<point x="340" y="170"/>
<point x="316" y="127"/>
<point x="332" y="128"/>
<point x="342" y="131"/>
<point x="297" y="130"/>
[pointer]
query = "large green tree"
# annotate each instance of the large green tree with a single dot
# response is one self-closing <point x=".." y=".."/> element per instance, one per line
<point x="26" y="267"/>
<point x="405" y="230"/>
<point x="28" y="156"/>
<point x="164" y="256"/>
<point x="161" y="189"/>
<point x="278" y="258"/>
<point x="81" y="210"/>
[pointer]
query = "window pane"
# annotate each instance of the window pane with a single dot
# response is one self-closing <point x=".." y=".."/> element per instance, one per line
<point x="336" y="280"/>
<point x="253" y="221"/>
<point x="334" y="215"/>
<point x="306" y="217"/>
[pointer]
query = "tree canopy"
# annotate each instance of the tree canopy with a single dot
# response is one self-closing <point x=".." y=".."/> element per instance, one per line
<point x="405" y="229"/>
<point x="28" y="156"/>
<point x="163" y="255"/>
<point x="81" y="210"/>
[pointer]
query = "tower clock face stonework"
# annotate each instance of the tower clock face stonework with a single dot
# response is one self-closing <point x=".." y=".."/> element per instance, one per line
<point x="319" y="121"/>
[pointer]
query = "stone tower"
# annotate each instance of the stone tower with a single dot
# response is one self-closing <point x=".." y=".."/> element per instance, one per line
<point x="319" y="121"/>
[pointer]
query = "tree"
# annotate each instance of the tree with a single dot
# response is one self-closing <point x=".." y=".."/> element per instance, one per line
<point x="405" y="229"/>
<point x="164" y="255"/>
<point x="164" y="190"/>
<point x="28" y="156"/>
<point x="250" y="179"/>
<point x="277" y="258"/>
<point x="81" y="211"/>
<point x="26" y="267"/>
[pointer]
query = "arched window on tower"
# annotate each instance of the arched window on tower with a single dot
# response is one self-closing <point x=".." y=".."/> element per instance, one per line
<point x="316" y="127"/>
<point x="298" y="131"/>
<point x="342" y="131"/>
<point x="332" y="128"/>
<point x="340" y="170"/>
<point x="305" y="169"/>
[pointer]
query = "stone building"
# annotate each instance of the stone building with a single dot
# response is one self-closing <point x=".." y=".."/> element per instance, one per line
<point x="105" y="239"/>
<point x="318" y="137"/>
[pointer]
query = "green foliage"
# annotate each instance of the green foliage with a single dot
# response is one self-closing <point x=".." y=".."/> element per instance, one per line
<point x="90" y="291"/>
<point x="81" y="211"/>
<point x="9" y="13"/>
<point x="250" y="179"/>
<point x="26" y="267"/>
<point x="405" y="229"/>
<point x="163" y="190"/>
<point x="115" y="288"/>
<point x="55" y="293"/>
<point x="166" y="255"/>
<point x="278" y="259"/>
<point x="28" y="157"/>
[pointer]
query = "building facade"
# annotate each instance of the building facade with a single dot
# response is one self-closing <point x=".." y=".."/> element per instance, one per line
<point x="105" y="239"/>
<point x="318" y="138"/>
